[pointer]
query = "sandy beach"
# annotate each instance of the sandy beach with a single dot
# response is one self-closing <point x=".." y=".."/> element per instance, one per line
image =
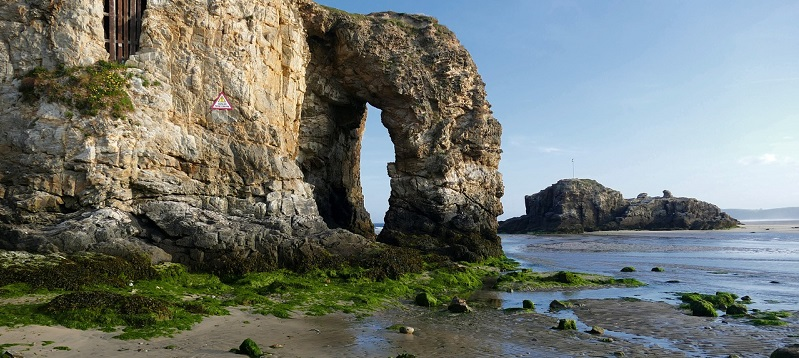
<point x="486" y="332"/>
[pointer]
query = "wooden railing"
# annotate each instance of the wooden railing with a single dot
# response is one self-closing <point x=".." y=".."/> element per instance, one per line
<point x="122" y="25"/>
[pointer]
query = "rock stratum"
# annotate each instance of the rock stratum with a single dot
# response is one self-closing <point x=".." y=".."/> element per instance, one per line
<point x="276" y="180"/>
<point x="578" y="205"/>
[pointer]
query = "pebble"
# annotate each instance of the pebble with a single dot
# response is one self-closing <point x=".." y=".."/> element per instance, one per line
<point x="406" y="330"/>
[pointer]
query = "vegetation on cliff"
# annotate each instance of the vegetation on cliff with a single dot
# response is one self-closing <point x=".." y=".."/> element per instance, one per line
<point x="88" y="89"/>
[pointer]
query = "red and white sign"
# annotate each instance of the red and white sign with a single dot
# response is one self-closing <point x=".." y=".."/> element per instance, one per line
<point x="221" y="103"/>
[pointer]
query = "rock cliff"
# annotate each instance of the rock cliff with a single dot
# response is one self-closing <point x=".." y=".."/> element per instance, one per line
<point x="577" y="205"/>
<point x="275" y="181"/>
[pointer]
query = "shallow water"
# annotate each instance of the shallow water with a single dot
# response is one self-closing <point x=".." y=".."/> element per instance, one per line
<point x="762" y="265"/>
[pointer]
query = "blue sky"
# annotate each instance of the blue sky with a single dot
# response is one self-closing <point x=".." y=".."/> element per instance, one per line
<point x="697" y="97"/>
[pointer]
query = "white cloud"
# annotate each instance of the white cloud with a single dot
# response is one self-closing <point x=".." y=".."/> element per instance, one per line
<point x="766" y="159"/>
<point x="549" y="150"/>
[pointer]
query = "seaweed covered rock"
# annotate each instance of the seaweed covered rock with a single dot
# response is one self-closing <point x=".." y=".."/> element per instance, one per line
<point x="556" y="305"/>
<point x="528" y="304"/>
<point x="425" y="299"/>
<point x="736" y="309"/>
<point x="567" y="324"/>
<point x="91" y="309"/>
<point x="249" y="348"/>
<point x="703" y="308"/>
<point x="578" y="205"/>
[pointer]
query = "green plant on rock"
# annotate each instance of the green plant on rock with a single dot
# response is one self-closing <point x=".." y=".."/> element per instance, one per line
<point x="770" y="318"/>
<point x="91" y="90"/>
<point x="567" y="324"/>
<point x="703" y="308"/>
<point x="527" y="280"/>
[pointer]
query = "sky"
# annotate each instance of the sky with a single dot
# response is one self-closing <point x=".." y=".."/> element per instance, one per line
<point x="697" y="97"/>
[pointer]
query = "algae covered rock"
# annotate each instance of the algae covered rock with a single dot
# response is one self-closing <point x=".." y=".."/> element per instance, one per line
<point x="736" y="309"/>
<point x="250" y="349"/>
<point x="567" y="324"/>
<point x="703" y="308"/>
<point x="425" y="299"/>
<point x="559" y="305"/>
<point x="628" y="269"/>
<point x="658" y="269"/>
<point x="527" y="304"/>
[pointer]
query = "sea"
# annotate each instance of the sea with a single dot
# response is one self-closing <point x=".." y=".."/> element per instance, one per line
<point x="762" y="264"/>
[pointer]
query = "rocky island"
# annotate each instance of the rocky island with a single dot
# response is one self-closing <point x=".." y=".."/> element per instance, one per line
<point x="578" y="205"/>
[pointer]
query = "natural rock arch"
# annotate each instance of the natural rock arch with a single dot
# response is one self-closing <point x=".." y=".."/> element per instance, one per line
<point x="235" y="191"/>
<point x="445" y="186"/>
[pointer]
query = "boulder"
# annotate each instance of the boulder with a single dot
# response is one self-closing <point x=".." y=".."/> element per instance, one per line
<point x="736" y="309"/>
<point x="789" y="351"/>
<point x="458" y="305"/>
<point x="567" y="324"/>
<point x="249" y="348"/>
<point x="425" y="299"/>
<point x="559" y="305"/>
<point x="597" y="330"/>
<point x="527" y="304"/>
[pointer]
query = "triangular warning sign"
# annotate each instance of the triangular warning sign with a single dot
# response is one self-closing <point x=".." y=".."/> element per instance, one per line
<point x="221" y="102"/>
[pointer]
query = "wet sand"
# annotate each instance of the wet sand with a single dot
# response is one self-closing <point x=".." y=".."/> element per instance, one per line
<point x="652" y="329"/>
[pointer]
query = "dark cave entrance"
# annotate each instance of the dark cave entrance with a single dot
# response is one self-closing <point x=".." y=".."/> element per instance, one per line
<point x="122" y="22"/>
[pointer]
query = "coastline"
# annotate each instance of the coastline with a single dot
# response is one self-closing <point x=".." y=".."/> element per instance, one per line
<point x="778" y="226"/>
<point x="634" y="328"/>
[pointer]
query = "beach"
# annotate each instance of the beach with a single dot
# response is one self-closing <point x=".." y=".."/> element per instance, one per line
<point x="635" y="327"/>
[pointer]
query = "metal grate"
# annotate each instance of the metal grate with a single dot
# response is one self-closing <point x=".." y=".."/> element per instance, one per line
<point x="122" y="24"/>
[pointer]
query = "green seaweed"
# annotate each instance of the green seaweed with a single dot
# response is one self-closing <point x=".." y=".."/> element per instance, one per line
<point x="144" y="301"/>
<point x="526" y="280"/>
<point x="769" y="318"/>
<point x="567" y="324"/>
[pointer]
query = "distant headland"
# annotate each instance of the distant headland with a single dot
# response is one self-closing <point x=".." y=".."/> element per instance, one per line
<point x="578" y="205"/>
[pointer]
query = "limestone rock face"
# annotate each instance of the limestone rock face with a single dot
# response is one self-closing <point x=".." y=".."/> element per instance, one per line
<point x="276" y="179"/>
<point x="445" y="185"/>
<point x="577" y="205"/>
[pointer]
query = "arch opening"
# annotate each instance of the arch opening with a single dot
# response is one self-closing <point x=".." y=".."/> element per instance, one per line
<point x="377" y="151"/>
